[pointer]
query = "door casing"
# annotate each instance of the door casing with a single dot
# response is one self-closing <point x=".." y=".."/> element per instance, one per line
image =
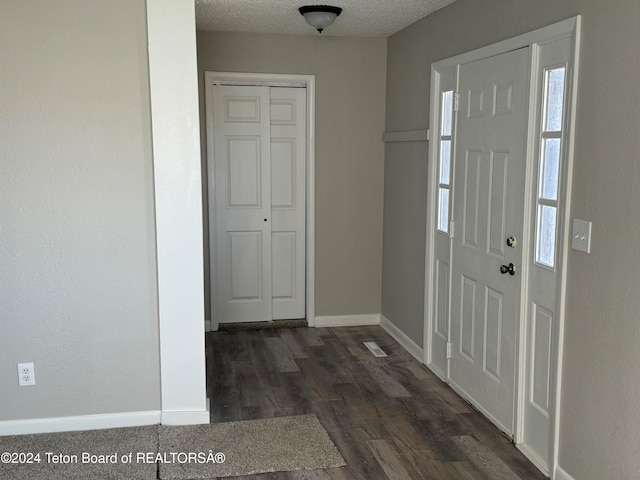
<point x="569" y="28"/>
<point x="268" y="80"/>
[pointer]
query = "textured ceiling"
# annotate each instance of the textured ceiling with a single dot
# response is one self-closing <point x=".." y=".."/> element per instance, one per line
<point x="359" y="18"/>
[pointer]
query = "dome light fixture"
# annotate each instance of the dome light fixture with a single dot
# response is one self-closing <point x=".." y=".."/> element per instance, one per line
<point x="320" y="16"/>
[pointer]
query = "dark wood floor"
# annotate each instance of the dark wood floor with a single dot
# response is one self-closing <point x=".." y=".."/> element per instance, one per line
<point x="391" y="418"/>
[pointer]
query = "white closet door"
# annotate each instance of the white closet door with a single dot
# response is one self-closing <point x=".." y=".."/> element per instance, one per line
<point x="260" y="203"/>
<point x="288" y="174"/>
<point x="243" y="203"/>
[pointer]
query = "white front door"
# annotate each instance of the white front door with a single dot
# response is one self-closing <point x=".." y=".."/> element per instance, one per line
<point x="259" y="214"/>
<point x="488" y="205"/>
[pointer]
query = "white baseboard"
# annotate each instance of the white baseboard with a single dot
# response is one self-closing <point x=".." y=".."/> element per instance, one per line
<point x="102" y="421"/>
<point x="80" y="422"/>
<point x="402" y="338"/>
<point x="347" y="320"/>
<point x="562" y="475"/>
<point x="196" y="417"/>
<point x="207" y="325"/>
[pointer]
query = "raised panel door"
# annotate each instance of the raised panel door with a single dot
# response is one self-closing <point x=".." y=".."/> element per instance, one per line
<point x="489" y="177"/>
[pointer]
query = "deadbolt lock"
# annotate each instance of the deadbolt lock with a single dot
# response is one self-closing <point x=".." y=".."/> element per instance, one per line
<point x="511" y="242"/>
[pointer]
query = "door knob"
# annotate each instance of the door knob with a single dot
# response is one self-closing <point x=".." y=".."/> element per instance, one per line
<point x="510" y="269"/>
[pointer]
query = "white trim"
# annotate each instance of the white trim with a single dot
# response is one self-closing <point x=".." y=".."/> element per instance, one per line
<point x="565" y="29"/>
<point x="402" y="338"/>
<point x="560" y="474"/>
<point x="406" y="136"/>
<point x="565" y="245"/>
<point x="429" y="267"/>
<point x="80" y="422"/>
<point x="347" y="320"/>
<point x="311" y="201"/>
<point x="268" y="79"/>
<point x="562" y="29"/>
<point x="185" y="417"/>
<point x="257" y="79"/>
<point x="530" y="175"/>
<point x="208" y="99"/>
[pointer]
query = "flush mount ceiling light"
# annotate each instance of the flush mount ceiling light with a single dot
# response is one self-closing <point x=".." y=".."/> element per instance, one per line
<point x="319" y="16"/>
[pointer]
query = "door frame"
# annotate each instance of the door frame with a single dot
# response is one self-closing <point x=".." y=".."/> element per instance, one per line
<point x="266" y="80"/>
<point x="569" y="28"/>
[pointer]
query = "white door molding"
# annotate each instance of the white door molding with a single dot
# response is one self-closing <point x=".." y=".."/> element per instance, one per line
<point x="272" y="80"/>
<point x="569" y="28"/>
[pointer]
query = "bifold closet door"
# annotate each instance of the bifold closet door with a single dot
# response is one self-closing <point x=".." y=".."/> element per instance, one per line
<point x="259" y="214"/>
<point x="288" y="201"/>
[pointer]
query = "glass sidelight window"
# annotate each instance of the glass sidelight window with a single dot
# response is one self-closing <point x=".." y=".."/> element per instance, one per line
<point x="444" y="160"/>
<point x="549" y="165"/>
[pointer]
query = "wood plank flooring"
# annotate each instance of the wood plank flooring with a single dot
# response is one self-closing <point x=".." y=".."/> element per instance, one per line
<point x="390" y="417"/>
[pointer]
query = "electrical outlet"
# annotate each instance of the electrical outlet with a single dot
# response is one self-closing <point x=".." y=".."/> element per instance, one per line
<point x="26" y="374"/>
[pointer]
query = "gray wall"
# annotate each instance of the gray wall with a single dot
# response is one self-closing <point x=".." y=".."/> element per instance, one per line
<point x="350" y="91"/>
<point x="77" y="243"/>
<point x="600" y="416"/>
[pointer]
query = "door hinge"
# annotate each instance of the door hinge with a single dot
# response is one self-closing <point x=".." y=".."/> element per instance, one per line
<point x="452" y="229"/>
<point x="456" y="102"/>
<point x="448" y="350"/>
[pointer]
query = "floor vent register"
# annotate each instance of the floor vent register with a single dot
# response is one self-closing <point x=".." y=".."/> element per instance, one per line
<point x="375" y="349"/>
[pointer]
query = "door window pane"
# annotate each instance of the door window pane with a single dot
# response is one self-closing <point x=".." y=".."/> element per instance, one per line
<point x="447" y="111"/>
<point x="546" y="242"/>
<point x="550" y="168"/>
<point x="443" y="210"/>
<point x="554" y="99"/>
<point x="445" y="161"/>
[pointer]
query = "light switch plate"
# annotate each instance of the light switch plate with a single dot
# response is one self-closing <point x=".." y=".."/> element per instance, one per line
<point x="581" y="235"/>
